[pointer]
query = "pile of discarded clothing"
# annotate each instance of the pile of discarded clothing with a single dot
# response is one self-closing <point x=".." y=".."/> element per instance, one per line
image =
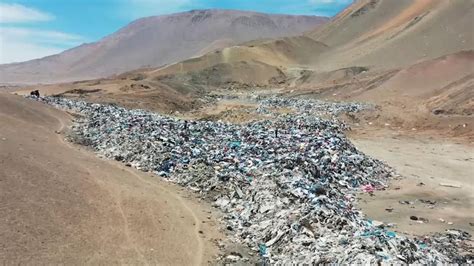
<point x="311" y="107"/>
<point x="287" y="186"/>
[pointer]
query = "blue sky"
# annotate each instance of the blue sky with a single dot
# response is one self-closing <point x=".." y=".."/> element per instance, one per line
<point x="32" y="29"/>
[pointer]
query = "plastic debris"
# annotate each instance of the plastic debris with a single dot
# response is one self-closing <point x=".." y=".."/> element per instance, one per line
<point x="368" y="188"/>
<point x="449" y="185"/>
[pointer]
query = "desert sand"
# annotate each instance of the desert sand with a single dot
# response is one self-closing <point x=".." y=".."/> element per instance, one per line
<point x="61" y="204"/>
<point x="426" y="167"/>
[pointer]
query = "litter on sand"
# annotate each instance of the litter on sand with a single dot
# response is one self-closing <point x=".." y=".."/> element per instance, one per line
<point x="289" y="196"/>
<point x="449" y="185"/>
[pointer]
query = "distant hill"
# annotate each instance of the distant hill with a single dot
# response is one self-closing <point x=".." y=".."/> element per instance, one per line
<point x="156" y="41"/>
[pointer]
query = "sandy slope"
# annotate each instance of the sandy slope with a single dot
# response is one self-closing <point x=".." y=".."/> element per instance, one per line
<point x="59" y="204"/>
<point x="258" y="62"/>
<point x="391" y="34"/>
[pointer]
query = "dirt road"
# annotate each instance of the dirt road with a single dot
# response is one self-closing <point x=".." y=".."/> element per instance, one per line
<point x="424" y="165"/>
<point x="63" y="205"/>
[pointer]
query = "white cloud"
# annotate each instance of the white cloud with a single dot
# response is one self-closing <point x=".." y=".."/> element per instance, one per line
<point x="15" y="13"/>
<point x="38" y="36"/>
<point x="12" y="52"/>
<point x="19" y="44"/>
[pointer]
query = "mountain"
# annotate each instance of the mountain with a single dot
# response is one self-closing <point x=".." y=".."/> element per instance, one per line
<point x="389" y="34"/>
<point x="369" y="34"/>
<point x="156" y="41"/>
